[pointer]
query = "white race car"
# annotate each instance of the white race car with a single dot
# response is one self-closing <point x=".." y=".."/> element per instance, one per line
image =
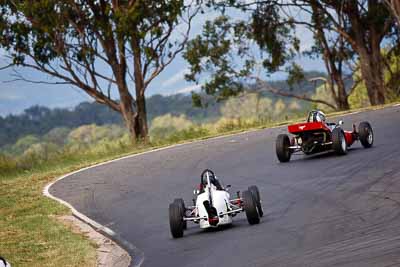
<point x="213" y="206"/>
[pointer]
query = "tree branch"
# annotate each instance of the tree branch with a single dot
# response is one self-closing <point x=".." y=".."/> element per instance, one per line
<point x="266" y="87"/>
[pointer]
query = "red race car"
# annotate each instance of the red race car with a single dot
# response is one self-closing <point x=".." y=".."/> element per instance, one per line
<point x="316" y="135"/>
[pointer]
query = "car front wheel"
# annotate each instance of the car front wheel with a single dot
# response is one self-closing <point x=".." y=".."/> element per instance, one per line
<point x="366" y="135"/>
<point x="283" y="148"/>
<point x="256" y="194"/>
<point x="250" y="207"/>
<point x="339" y="143"/>
<point x="176" y="222"/>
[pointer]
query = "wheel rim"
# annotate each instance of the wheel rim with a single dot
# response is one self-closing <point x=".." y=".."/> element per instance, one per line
<point x="370" y="137"/>
<point x="344" y="146"/>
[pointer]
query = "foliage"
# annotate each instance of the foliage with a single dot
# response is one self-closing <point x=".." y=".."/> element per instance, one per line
<point x="24" y="143"/>
<point x="224" y="50"/>
<point x="92" y="134"/>
<point x="279" y="109"/>
<point x="392" y="73"/>
<point x="249" y="106"/>
<point x="323" y="92"/>
<point x="359" y="97"/>
<point x="57" y="135"/>
<point x="294" y="106"/>
<point x="164" y="126"/>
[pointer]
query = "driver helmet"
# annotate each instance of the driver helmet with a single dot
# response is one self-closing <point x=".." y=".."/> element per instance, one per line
<point x="319" y="116"/>
<point x="212" y="178"/>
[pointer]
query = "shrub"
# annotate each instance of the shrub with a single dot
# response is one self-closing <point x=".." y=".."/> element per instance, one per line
<point x="37" y="154"/>
<point x="87" y="135"/>
<point x="7" y="164"/>
<point x="359" y="97"/>
<point x="324" y="93"/>
<point x="249" y="106"/>
<point x="57" y="136"/>
<point x="23" y="144"/>
<point x="187" y="134"/>
<point x="164" y="126"/>
<point x="225" y="125"/>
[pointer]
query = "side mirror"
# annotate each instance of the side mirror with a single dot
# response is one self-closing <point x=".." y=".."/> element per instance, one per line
<point x="340" y="122"/>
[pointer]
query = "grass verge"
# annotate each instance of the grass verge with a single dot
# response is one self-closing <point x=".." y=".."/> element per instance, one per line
<point x="29" y="232"/>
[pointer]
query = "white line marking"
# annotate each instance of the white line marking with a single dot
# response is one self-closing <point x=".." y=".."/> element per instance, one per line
<point x="81" y="216"/>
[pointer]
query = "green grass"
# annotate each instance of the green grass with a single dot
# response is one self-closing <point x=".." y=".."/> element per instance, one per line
<point x="29" y="231"/>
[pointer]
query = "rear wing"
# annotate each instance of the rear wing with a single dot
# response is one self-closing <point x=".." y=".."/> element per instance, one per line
<point x="307" y="126"/>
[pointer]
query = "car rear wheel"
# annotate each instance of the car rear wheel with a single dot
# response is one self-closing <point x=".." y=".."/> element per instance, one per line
<point x="366" y="135"/>
<point x="176" y="222"/>
<point x="283" y="148"/>
<point x="250" y="207"/>
<point x="339" y="144"/>
<point x="181" y="204"/>
<point x="256" y="194"/>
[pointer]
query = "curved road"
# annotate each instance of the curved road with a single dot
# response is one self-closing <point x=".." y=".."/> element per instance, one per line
<point x="322" y="210"/>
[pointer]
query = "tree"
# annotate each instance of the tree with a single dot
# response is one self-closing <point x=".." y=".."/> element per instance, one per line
<point x="394" y="6"/>
<point x="366" y="24"/>
<point x="361" y="26"/>
<point x="226" y="50"/>
<point x="334" y="52"/>
<point x="100" y="47"/>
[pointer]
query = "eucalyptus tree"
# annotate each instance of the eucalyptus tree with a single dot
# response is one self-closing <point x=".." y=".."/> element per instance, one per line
<point x="394" y="6"/>
<point x="344" y="31"/>
<point x="367" y="24"/>
<point x="100" y="47"/>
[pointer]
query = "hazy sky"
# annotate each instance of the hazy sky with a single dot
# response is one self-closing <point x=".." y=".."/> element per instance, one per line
<point x="16" y="96"/>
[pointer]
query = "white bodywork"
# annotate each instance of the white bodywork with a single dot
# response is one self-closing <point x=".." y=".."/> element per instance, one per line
<point x="220" y="201"/>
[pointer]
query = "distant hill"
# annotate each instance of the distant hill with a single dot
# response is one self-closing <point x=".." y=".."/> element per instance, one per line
<point x="38" y="120"/>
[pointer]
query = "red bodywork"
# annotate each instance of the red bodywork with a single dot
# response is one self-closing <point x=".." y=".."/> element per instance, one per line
<point x="307" y="126"/>
<point x="299" y="128"/>
<point x="350" y="137"/>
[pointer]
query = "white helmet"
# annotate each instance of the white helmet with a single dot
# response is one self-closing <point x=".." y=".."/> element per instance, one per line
<point x="4" y="263"/>
<point x="320" y="116"/>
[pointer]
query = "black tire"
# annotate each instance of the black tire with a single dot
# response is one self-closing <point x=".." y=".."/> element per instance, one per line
<point x="175" y="220"/>
<point x="365" y="134"/>
<point x="339" y="144"/>
<point x="181" y="204"/>
<point x="282" y="148"/>
<point x="250" y="207"/>
<point x="256" y="194"/>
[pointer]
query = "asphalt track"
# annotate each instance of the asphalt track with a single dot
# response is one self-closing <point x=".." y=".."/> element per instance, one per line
<point x="323" y="210"/>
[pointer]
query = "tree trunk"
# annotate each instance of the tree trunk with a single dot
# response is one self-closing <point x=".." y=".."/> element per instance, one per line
<point x="367" y="45"/>
<point x="129" y="116"/>
<point x="372" y="73"/>
<point x="394" y="5"/>
<point x="331" y="59"/>
<point x="142" y="127"/>
<point x="342" y="97"/>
